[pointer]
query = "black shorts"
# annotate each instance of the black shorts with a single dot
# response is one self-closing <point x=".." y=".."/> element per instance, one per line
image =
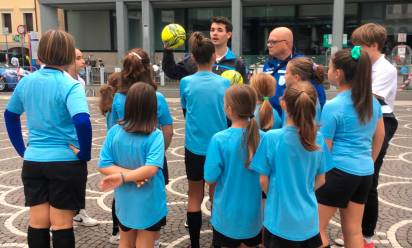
<point x="273" y="241"/>
<point x="165" y="171"/>
<point x="220" y="240"/>
<point x="61" y="184"/>
<point x="342" y="187"/>
<point x="195" y="165"/>
<point x="155" y="228"/>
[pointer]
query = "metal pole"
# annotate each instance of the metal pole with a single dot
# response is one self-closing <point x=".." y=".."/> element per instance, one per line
<point x="337" y="24"/>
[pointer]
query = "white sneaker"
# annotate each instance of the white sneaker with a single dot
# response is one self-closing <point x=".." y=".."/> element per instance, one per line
<point x="83" y="219"/>
<point x="157" y="244"/>
<point x="114" y="239"/>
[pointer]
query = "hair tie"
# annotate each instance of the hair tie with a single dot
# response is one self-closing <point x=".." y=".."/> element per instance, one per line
<point x="314" y="66"/>
<point x="266" y="98"/>
<point x="356" y="52"/>
<point x="251" y="116"/>
<point x="136" y="55"/>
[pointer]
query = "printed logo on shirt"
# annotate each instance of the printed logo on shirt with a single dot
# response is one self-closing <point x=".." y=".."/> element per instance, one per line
<point x="282" y="80"/>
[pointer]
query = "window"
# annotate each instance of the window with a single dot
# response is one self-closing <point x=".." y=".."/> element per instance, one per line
<point x="6" y="18"/>
<point x="28" y="21"/>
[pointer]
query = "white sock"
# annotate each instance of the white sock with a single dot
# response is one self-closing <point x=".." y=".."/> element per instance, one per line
<point x="368" y="240"/>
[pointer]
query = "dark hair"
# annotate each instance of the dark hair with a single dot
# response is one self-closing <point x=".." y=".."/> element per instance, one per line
<point x="307" y="69"/>
<point x="107" y="92"/>
<point x="242" y="101"/>
<point x="265" y="86"/>
<point x="357" y="74"/>
<point x="202" y="48"/>
<point x="140" y="109"/>
<point x="56" y="48"/>
<point x="136" y="67"/>
<point x="106" y="98"/>
<point x="368" y="34"/>
<point x="223" y="20"/>
<point x="300" y="102"/>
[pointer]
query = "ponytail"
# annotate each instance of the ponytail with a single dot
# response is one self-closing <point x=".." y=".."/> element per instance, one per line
<point x="242" y="101"/>
<point x="318" y="73"/>
<point x="252" y="139"/>
<point x="357" y="69"/>
<point x="265" y="86"/>
<point x="266" y="115"/>
<point x="201" y="48"/>
<point x="106" y="98"/>
<point x="301" y="107"/>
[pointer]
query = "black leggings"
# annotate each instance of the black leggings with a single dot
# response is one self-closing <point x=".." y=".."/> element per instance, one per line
<point x="115" y="229"/>
<point x="370" y="215"/>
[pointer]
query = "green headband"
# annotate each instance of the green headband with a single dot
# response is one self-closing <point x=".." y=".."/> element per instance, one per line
<point x="266" y="98"/>
<point x="356" y="52"/>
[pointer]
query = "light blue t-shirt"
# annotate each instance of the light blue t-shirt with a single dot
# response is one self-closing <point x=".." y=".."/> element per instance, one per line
<point x="163" y="115"/>
<point x="202" y="95"/>
<point x="318" y="114"/>
<point x="50" y="99"/>
<point x="277" y="121"/>
<point x="237" y="210"/>
<point x="291" y="210"/>
<point x="352" y="141"/>
<point x="136" y="208"/>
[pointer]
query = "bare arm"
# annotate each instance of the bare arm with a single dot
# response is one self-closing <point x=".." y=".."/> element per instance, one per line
<point x="264" y="183"/>
<point x="167" y="134"/>
<point x="319" y="181"/>
<point x="378" y="138"/>
<point x="329" y="143"/>
<point x="113" y="170"/>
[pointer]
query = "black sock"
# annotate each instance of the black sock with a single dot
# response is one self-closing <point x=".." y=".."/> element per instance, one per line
<point x="38" y="237"/>
<point x="115" y="229"/>
<point x="194" y="221"/>
<point x="63" y="238"/>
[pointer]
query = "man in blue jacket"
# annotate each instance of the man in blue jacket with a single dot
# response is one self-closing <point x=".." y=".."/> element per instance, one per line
<point x="281" y="50"/>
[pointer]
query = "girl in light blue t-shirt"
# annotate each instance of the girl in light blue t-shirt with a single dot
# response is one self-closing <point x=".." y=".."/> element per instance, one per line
<point x="266" y="116"/>
<point x="133" y="153"/>
<point x="292" y="162"/>
<point x="353" y="128"/>
<point x="237" y="210"/>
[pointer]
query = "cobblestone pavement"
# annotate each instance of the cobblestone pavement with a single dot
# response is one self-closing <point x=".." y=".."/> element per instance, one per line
<point x="394" y="227"/>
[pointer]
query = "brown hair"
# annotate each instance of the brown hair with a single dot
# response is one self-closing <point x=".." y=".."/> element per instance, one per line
<point x="357" y="74"/>
<point x="368" y="34"/>
<point x="136" y="67"/>
<point x="140" y="109"/>
<point x="242" y="101"/>
<point x="265" y="86"/>
<point x="202" y="48"/>
<point x="307" y="69"/>
<point x="107" y="92"/>
<point x="56" y="48"/>
<point x="223" y="20"/>
<point x="300" y="102"/>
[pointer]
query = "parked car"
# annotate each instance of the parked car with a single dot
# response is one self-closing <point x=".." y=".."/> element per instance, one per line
<point x="10" y="77"/>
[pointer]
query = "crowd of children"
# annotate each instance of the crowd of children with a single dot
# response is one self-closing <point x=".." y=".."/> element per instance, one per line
<point x="275" y="178"/>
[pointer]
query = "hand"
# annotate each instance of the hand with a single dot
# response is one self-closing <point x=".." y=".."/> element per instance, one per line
<point x="141" y="183"/>
<point x="74" y="149"/>
<point x="110" y="182"/>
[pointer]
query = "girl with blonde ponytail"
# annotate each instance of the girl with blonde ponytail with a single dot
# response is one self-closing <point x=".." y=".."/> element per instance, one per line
<point x="266" y="116"/>
<point x="294" y="158"/>
<point x="237" y="214"/>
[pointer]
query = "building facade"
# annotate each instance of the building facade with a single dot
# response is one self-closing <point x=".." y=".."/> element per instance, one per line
<point x="108" y="28"/>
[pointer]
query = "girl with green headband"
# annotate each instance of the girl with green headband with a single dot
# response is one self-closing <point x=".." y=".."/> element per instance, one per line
<point x="266" y="116"/>
<point x="353" y="127"/>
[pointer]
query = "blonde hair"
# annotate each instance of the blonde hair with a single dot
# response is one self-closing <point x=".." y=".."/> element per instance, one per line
<point x="264" y="86"/>
<point x="370" y="33"/>
<point x="56" y="48"/>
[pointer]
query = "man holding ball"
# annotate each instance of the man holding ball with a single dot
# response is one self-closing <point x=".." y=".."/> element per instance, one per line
<point x="220" y="33"/>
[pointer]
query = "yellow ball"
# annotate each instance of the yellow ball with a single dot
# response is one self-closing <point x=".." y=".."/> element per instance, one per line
<point x="234" y="76"/>
<point x="173" y="35"/>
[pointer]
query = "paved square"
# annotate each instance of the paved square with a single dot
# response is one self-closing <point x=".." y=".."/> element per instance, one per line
<point x="394" y="226"/>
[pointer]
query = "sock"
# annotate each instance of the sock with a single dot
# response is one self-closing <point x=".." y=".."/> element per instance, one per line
<point x="194" y="221"/>
<point x="38" y="237"/>
<point x="368" y="240"/>
<point x="63" y="238"/>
